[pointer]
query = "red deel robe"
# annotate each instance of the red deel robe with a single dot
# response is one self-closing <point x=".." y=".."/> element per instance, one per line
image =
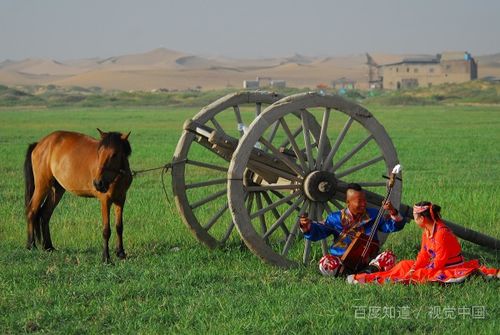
<point x="439" y="260"/>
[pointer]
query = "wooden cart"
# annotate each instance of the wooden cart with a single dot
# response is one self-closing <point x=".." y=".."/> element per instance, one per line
<point x="256" y="161"/>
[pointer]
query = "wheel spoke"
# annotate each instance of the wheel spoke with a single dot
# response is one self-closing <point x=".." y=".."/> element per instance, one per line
<point x="322" y="138"/>
<point x="312" y="210"/>
<point x="272" y="187"/>
<point x="283" y="217"/>
<point x="351" y="153"/>
<point x="208" y="199"/>
<point x="293" y="143"/>
<point x="320" y="208"/>
<point x="275" y="204"/>
<point x="294" y="135"/>
<point x="228" y="233"/>
<point x="216" y="217"/>
<point x="282" y="157"/>
<point x="276" y="214"/>
<point x="207" y="165"/>
<point x="337" y="204"/>
<point x="323" y="206"/>
<point x="269" y="201"/>
<point x="307" y="139"/>
<point x="250" y="202"/>
<point x="262" y="218"/>
<point x="327" y="208"/>
<point x="307" y="251"/>
<point x="217" y="125"/>
<point x="307" y="243"/>
<point x="328" y="160"/>
<point x="359" y="166"/>
<point x="258" y="108"/>
<point x="273" y="132"/>
<point x="293" y="232"/>
<point x="241" y="125"/>
<point x="207" y="183"/>
<point x="279" y="195"/>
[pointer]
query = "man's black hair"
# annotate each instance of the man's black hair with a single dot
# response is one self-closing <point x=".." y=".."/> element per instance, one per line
<point x="354" y="186"/>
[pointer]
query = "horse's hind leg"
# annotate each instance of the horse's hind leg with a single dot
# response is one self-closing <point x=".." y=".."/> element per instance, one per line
<point x="53" y="198"/>
<point x="120" y="252"/>
<point x="33" y="213"/>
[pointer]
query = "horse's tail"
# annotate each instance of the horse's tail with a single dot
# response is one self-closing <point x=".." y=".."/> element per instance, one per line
<point x="29" y="179"/>
<point x="29" y="182"/>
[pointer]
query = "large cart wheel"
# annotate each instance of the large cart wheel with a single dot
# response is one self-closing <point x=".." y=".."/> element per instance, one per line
<point x="352" y="147"/>
<point x="199" y="169"/>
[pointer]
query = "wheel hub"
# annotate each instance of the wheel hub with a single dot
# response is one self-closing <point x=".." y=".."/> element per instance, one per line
<point x="320" y="186"/>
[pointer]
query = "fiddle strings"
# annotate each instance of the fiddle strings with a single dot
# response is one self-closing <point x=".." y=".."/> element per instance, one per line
<point x="375" y="225"/>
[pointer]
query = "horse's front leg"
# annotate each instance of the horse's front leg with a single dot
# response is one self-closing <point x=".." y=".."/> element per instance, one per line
<point x="106" y="231"/>
<point x="120" y="252"/>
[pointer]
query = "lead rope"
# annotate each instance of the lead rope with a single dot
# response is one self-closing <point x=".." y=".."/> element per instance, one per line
<point x="164" y="170"/>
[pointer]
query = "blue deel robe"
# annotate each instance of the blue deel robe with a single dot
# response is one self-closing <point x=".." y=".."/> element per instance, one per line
<point x="333" y="226"/>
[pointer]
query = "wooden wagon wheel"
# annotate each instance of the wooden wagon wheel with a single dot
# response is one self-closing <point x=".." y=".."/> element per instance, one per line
<point x="316" y="174"/>
<point x="199" y="170"/>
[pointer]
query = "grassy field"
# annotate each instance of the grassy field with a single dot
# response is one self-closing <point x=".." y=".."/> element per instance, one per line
<point x="171" y="283"/>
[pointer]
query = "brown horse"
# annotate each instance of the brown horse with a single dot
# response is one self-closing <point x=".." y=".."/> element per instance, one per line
<point x="68" y="161"/>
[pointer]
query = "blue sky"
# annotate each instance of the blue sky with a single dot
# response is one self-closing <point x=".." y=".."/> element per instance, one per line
<point x="70" y="29"/>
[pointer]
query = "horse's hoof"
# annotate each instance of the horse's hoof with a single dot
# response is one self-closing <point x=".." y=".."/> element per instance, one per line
<point x="107" y="261"/>
<point x="121" y="254"/>
<point x="50" y="249"/>
<point x="31" y="246"/>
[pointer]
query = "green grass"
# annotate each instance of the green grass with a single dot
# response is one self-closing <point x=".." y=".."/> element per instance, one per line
<point x="173" y="284"/>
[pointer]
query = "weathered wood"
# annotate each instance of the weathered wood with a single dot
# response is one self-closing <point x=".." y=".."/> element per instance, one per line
<point x="200" y="225"/>
<point x="323" y="138"/>
<point x="243" y="156"/>
<point x="307" y="140"/>
<point x="351" y="153"/>
<point x="328" y="160"/>
<point x="293" y="143"/>
<point x="266" y="164"/>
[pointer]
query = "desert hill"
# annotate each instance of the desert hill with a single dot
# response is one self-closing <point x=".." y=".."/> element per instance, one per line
<point x="174" y="70"/>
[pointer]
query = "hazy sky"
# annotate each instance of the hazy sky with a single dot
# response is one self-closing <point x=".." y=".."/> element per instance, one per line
<point x="70" y="29"/>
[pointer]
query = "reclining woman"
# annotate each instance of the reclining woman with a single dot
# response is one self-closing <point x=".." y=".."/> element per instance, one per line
<point x="439" y="260"/>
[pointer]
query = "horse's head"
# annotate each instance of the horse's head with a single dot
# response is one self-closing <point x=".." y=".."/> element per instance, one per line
<point x="112" y="156"/>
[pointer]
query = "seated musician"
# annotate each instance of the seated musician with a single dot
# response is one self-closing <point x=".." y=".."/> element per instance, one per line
<point x="344" y="225"/>
<point x="439" y="260"/>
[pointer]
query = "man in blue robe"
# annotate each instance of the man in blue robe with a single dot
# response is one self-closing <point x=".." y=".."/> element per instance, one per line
<point x="344" y="224"/>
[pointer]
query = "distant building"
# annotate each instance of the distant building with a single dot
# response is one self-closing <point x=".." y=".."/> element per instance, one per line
<point x="278" y="83"/>
<point x="344" y="83"/>
<point x="374" y="78"/>
<point x="263" y="82"/>
<point x="251" y="84"/>
<point x="425" y="71"/>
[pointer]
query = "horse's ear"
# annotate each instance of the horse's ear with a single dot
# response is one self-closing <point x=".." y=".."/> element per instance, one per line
<point x="125" y="137"/>
<point x="101" y="132"/>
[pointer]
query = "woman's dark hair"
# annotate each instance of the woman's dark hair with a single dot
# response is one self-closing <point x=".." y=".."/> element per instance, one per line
<point x="436" y="210"/>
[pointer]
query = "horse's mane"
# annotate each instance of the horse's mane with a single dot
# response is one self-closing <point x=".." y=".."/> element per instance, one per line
<point x="114" y="139"/>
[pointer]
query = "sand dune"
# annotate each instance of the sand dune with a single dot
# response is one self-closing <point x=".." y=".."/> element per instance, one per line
<point x="164" y="68"/>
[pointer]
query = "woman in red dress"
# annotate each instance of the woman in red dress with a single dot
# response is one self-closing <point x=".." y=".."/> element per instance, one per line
<point x="439" y="260"/>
